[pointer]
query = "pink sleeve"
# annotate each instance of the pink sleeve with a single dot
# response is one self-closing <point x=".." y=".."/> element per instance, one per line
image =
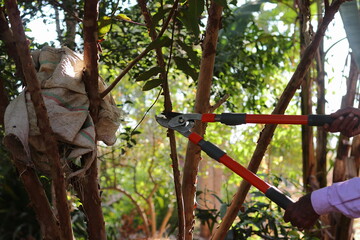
<point x="341" y="197"/>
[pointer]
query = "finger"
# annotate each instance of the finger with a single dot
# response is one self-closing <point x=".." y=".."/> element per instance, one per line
<point x="346" y="122"/>
<point x="343" y="111"/>
<point x="335" y="125"/>
<point x="351" y="127"/>
<point x="340" y="112"/>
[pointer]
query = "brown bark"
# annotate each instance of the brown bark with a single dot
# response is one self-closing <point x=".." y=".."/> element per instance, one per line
<point x="321" y="139"/>
<point x="89" y="187"/>
<point x="89" y="194"/>
<point x="280" y="108"/>
<point x="4" y="101"/>
<point x="202" y="105"/>
<point x="167" y="108"/>
<point x="51" y="149"/>
<point x="39" y="202"/>
<point x="308" y="157"/>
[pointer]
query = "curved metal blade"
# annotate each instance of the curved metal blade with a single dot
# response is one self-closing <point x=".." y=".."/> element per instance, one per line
<point x="183" y="129"/>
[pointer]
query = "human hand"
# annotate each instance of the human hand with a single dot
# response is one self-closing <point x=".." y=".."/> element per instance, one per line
<point x="346" y="121"/>
<point x="301" y="214"/>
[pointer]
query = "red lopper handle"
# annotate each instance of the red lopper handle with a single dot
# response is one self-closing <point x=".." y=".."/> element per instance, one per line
<point x="216" y="153"/>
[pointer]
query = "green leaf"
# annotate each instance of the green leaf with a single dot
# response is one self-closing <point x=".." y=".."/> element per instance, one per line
<point x="151" y="84"/>
<point x="160" y="14"/>
<point x="148" y="74"/>
<point x="123" y="17"/>
<point x="183" y="64"/>
<point x="190" y="15"/>
<point x="193" y="55"/>
<point x="163" y="41"/>
<point x="104" y="26"/>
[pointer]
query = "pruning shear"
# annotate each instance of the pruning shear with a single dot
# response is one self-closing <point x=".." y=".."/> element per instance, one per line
<point x="183" y="123"/>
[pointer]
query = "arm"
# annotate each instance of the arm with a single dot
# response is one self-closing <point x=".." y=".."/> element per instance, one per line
<point x="341" y="197"/>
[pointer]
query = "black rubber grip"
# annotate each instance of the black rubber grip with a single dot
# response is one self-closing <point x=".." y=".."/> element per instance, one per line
<point x="319" y="120"/>
<point x="233" y="118"/>
<point x="212" y="150"/>
<point x="278" y="197"/>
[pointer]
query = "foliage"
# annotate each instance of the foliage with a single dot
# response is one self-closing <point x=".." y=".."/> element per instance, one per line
<point x="248" y="58"/>
<point x="258" y="219"/>
<point x="262" y="221"/>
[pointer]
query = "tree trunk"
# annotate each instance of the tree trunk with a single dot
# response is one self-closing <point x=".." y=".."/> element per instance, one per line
<point x="202" y="105"/>
<point x="309" y="164"/>
<point x="321" y="139"/>
<point x="89" y="190"/>
<point x="321" y="134"/>
<point x="4" y="101"/>
<point x="51" y="147"/>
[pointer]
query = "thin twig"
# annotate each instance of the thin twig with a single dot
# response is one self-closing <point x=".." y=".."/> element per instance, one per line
<point x="219" y="103"/>
<point x="146" y="112"/>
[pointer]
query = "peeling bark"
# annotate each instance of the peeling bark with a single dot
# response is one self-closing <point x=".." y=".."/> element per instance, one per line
<point x="308" y="156"/>
<point x="88" y="188"/>
<point x="202" y="105"/>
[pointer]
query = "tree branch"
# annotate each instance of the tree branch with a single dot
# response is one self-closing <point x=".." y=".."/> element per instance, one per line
<point x="167" y="108"/>
<point x="33" y="87"/>
<point x="202" y="105"/>
<point x="89" y="186"/>
<point x="280" y="108"/>
<point x="39" y="202"/>
<point x="4" y="101"/>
